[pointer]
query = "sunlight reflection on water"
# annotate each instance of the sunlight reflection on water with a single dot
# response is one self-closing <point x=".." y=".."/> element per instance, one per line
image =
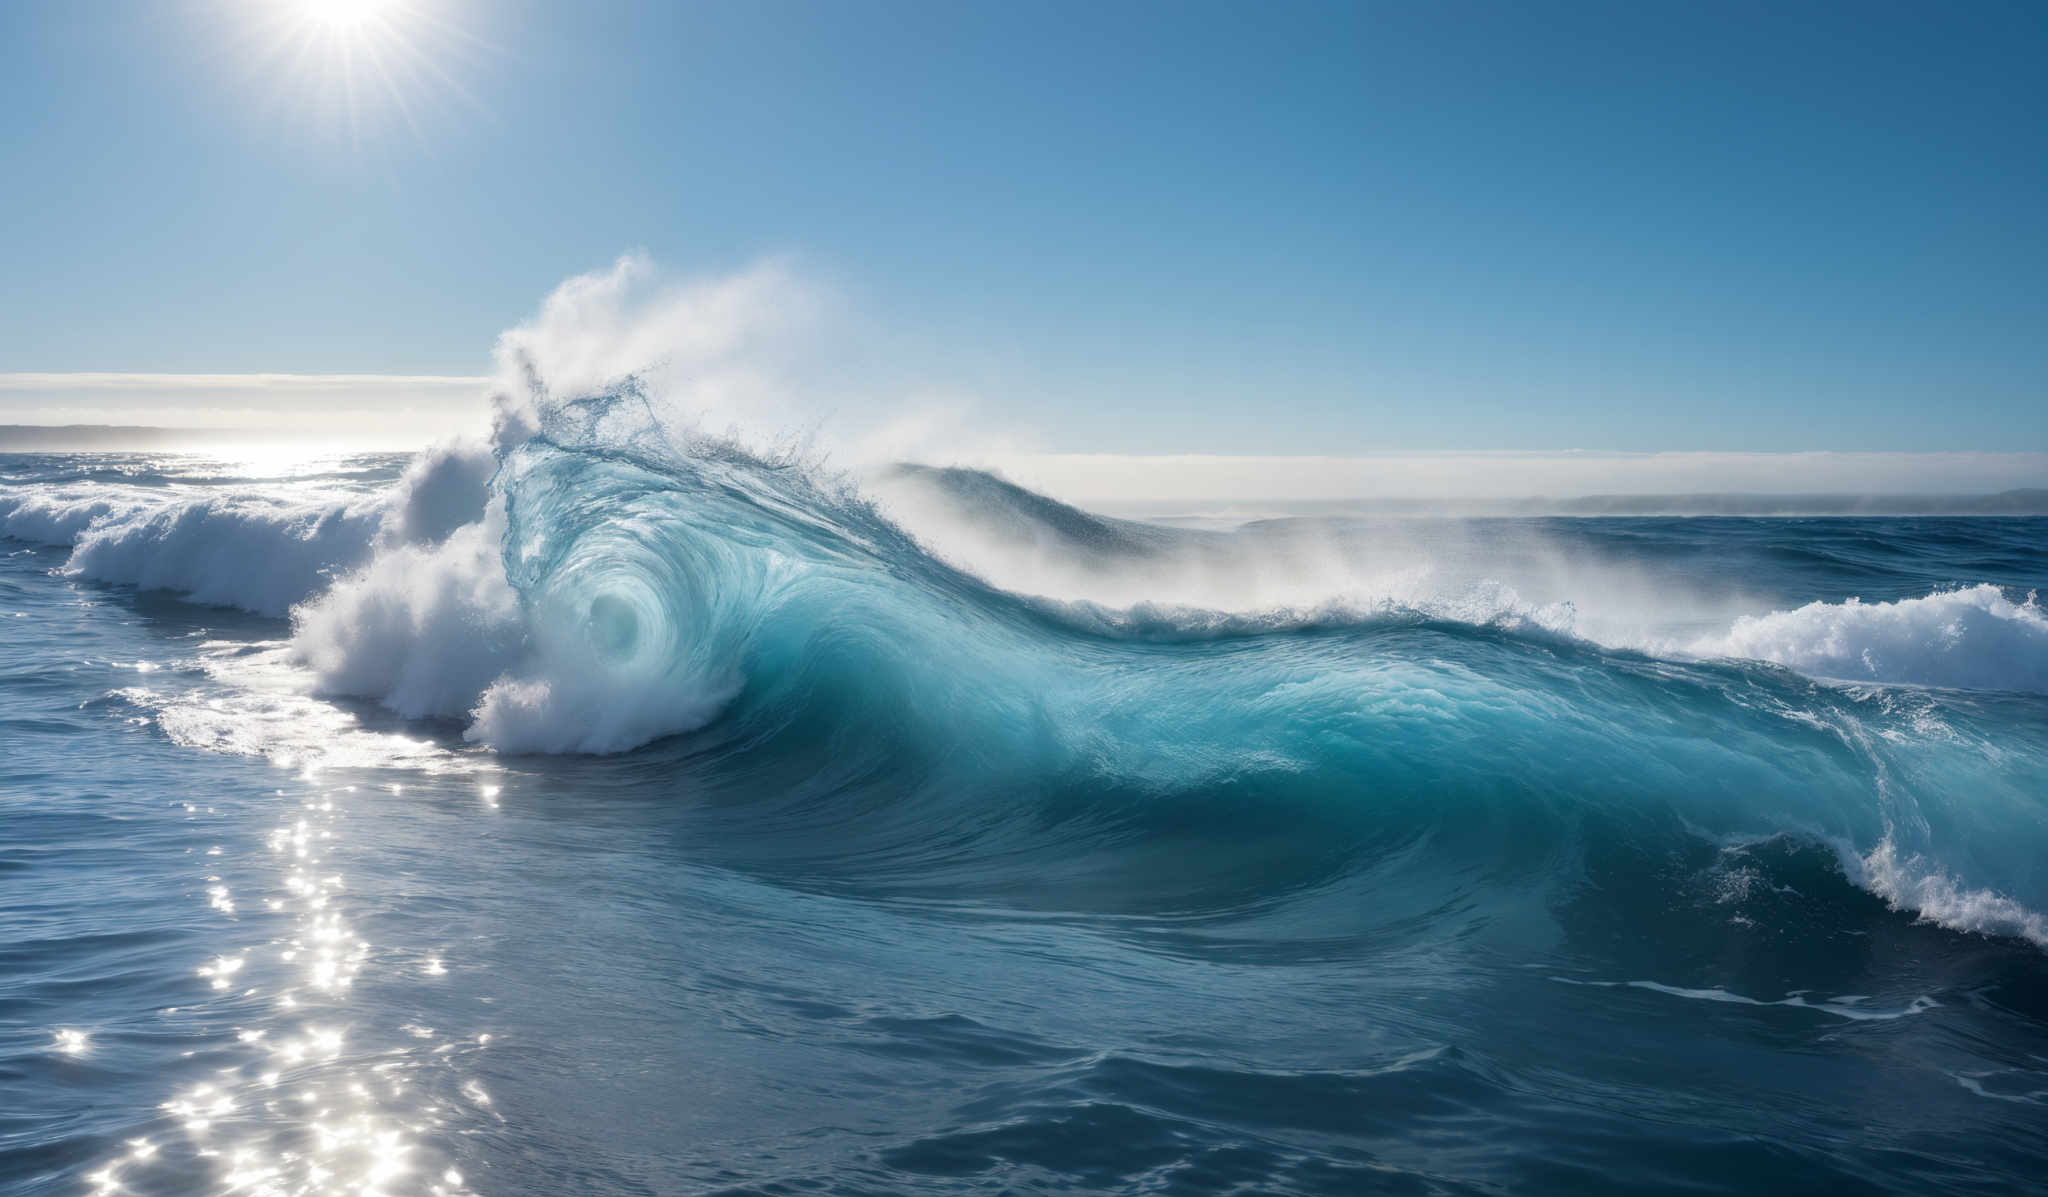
<point x="321" y="1104"/>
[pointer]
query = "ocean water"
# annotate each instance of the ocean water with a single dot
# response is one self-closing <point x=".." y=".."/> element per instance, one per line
<point x="613" y="810"/>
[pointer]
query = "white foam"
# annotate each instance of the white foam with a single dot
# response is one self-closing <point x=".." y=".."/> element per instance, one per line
<point x="260" y="551"/>
<point x="442" y="489"/>
<point x="57" y="516"/>
<point x="437" y="631"/>
<point x="257" y="553"/>
<point x="423" y="629"/>
<point x="607" y="669"/>
<point x="1972" y="638"/>
<point x="572" y="712"/>
<point x="1909" y="882"/>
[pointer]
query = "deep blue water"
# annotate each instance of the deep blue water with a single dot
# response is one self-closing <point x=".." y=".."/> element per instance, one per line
<point x="621" y="817"/>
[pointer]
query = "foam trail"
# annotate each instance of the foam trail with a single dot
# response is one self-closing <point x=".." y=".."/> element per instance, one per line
<point x="1848" y="1007"/>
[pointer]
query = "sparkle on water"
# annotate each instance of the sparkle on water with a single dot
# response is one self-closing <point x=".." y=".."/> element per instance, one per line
<point x="305" y="1112"/>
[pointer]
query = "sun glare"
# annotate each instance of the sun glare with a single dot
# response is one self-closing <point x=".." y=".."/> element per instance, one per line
<point x="354" y="66"/>
<point x="346" y="14"/>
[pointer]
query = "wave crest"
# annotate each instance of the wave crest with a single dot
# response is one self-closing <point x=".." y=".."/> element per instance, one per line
<point x="1975" y="638"/>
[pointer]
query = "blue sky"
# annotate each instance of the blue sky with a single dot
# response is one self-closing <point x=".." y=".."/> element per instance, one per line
<point x="1133" y="228"/>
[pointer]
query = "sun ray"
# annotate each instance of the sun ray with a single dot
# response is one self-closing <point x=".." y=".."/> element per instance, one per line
<point x="352" y="66"/>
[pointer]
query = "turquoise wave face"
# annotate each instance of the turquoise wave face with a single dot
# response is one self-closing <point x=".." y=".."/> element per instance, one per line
<point x="923" y="732"/>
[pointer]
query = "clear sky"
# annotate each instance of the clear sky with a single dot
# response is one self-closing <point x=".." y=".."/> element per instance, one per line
<point x="1132" y="227"/>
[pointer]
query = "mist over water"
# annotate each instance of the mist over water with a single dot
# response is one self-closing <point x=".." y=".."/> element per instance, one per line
<point x="611" y="805"/>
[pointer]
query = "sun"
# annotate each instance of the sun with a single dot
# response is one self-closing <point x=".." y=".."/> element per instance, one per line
<point x="354" y="69"/>
<point x="344" y="15"/>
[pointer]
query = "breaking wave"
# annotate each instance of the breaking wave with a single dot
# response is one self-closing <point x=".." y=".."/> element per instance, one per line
<point x="1975" y="637"/>
<point x="952" y="671"/>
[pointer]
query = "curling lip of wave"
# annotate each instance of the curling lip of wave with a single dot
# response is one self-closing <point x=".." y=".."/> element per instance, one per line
<point x="1907" y="882"/>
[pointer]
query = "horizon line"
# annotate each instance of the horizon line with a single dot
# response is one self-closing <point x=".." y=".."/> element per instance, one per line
<point x="121" y="380"/>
